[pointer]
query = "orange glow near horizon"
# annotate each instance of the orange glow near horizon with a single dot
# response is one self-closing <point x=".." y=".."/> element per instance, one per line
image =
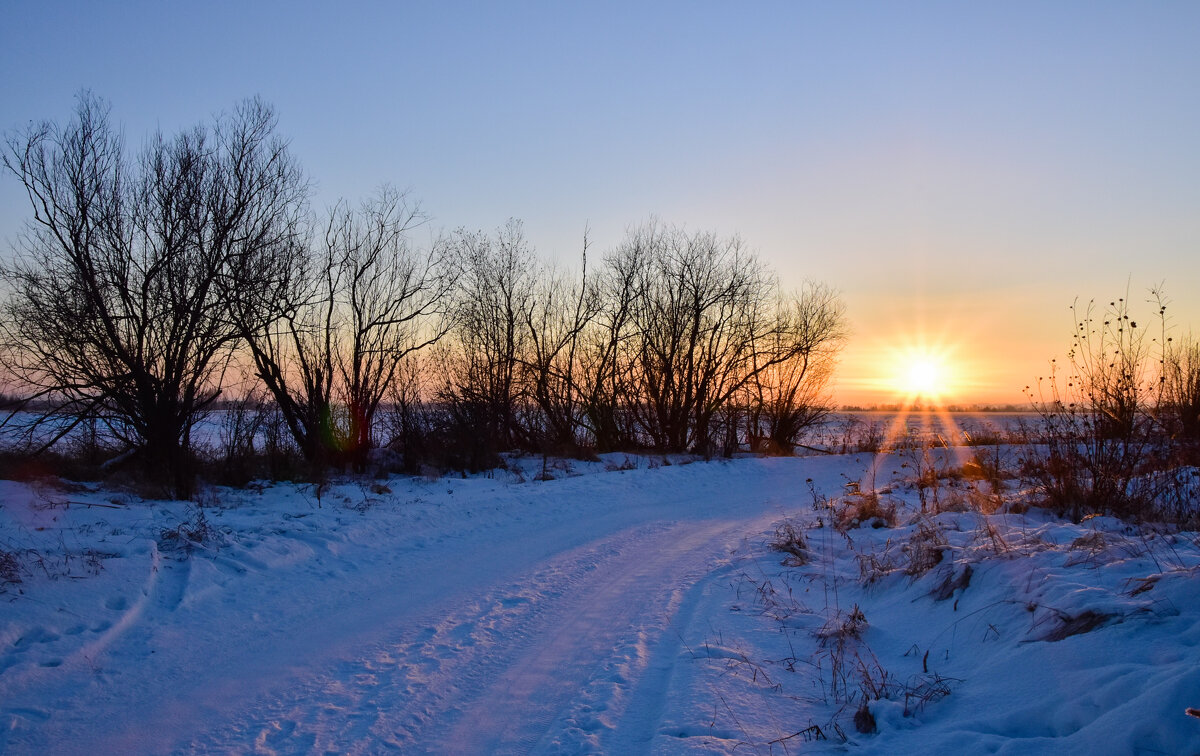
<point x="947" y="348"/>
<point x="916" y="371"/>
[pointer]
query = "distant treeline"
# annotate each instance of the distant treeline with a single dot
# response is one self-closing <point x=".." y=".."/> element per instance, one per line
<point x="917" y="407"/>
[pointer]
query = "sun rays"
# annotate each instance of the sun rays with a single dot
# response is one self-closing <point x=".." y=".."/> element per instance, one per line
<point x="924" y="375"/>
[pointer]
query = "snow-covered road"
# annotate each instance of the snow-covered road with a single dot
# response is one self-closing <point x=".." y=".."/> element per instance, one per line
<point x="550" y="657"/>
<point x="450" y="616"/>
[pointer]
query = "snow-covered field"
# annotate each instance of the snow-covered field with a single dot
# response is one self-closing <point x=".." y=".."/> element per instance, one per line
<point x="607" y="610"/>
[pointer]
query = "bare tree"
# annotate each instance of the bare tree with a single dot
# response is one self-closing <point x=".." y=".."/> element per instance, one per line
<point x="483" y="385"/>
<point x="699" y="310"/>
<point x="790" y="394"/>
<point x="353" y="312"/>
<point x="117" y="307"/>
<point x="561" y="311"/>
<point x="395" y="304"/>
<point x="606" y="369"/>
<point x="693" y="339"/>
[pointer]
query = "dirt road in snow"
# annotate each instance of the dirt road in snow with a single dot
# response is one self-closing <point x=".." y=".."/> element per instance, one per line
<point x="472" y="616"/>
<point x="549" y="661"/>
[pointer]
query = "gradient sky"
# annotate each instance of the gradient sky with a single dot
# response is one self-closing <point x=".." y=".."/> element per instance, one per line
<point x="960" y="172"/>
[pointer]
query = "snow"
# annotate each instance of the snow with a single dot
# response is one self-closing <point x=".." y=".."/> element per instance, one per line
<point x="629" y="605"/>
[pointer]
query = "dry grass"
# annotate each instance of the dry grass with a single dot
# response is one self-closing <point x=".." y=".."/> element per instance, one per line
<point x="195" y="531"/>
<point x="843" y="626"/>
<point x="925" y="549"/>
<point x="860" y="509"/>
<point x="954" y="580"/>
<point x="10" y="568"/>
<point x="873" y="566"/>
<point x="864" y="720"/>
<point x="1067" y="625"/>
<point x="989" y="535"/>
<point x="789" y="540"/>
<point x="924" y="690"/>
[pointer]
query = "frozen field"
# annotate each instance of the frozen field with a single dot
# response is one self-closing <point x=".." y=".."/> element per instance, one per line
<point x="638" y="610"/>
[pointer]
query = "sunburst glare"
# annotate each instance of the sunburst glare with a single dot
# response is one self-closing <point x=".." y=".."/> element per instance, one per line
<point x="923" y="374"/>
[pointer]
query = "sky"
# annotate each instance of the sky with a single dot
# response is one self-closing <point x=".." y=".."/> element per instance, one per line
<point x="960" y="172"/>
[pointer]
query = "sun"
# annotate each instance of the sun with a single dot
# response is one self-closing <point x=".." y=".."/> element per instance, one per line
<point x="923" y="374"/>
<point x="924" y="377"/>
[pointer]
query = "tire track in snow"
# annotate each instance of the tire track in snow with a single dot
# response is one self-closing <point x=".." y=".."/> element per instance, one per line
<point x="463" y="653"/>
<point x="641" y="718"/>
<point x="553" y="655"/>
<point x="564" y="675"/>
<point x="390" y="692"/>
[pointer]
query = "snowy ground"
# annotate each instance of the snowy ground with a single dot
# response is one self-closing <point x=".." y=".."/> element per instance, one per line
<point x="607" y="610"/>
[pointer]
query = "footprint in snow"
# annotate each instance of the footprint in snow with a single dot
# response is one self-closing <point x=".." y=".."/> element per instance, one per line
<point x="36" y="635"/>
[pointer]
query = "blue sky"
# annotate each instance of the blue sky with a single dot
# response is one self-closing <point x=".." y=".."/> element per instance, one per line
<point x="960" y="171"/>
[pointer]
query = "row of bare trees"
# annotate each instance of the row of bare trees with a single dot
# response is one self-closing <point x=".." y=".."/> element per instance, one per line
<point x="145" y="287"/>
<point x="679" y="342"/>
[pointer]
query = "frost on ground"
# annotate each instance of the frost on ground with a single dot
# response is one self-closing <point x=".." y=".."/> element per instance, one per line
<point x="625" y="606"/>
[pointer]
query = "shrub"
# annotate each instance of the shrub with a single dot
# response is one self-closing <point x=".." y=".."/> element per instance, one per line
<point x="1096" y="444"/>
<point x="1179" y="410"/>
<point x="865" y="508"/>
<point x="987" y="466"/>
<point x="242" y="421"/>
